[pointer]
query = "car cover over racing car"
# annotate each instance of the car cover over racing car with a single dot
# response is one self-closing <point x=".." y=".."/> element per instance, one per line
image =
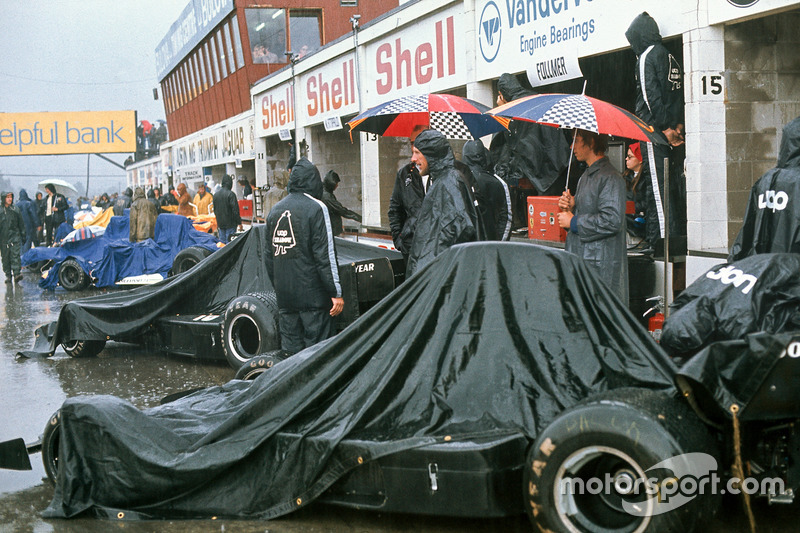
<point x="758" y="293"/>
<point x="112" y="256"/>
<point x="487" y="340"/>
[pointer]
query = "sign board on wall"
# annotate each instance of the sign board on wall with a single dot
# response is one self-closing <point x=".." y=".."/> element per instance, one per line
<point x="81" y="132"/>
<point x="217" y="146"/>
<point x="329" y="90"/>
<point x="720" y="11"/>
<point x="195" y="22"/>
<point x="423" y="57"/>
<point x="274" y="110"/>
<point x="521" y="35"/>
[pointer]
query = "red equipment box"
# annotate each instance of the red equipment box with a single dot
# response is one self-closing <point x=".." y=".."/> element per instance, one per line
<point x="246" y="209"/>
<point x="542" y="221"/>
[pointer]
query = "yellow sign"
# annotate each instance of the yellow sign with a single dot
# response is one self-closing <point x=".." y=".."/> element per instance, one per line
<point x="63" y="132"/>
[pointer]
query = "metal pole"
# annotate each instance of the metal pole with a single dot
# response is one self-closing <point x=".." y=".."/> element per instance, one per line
<point x="666" y="237"/>
<point x="88" y="158"/>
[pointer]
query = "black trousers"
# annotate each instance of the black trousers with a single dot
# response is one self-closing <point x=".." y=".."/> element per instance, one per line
<point x="301" y="329"/>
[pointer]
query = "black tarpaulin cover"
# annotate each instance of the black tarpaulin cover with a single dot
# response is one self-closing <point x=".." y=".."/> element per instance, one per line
<point x="758" y="293"/>
<point x="731" y="372"/>
<point x="489" y="339"/>
<point x="239" y="268"/>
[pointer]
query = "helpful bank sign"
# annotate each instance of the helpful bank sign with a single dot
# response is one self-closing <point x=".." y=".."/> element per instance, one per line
<point x="85" y="132"/>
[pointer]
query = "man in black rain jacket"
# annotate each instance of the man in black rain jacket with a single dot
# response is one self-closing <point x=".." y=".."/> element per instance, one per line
<point x="772" y="218"/>
<point x="30" y="216"/>
<point x="659" y="102"/>
<point x="404" y="205"/>
<point x="495" y="204"/>
<point x="444" y="217"/>
<point x="226" y="209"/>
<point x="12" y="235"/>
<point x="301" y="261"/>
<point x="336" y="210"/>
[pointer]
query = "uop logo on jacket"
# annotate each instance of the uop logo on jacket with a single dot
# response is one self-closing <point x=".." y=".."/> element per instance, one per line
<point x="731" y="274"/>
<point x="773" y="200"/>
<point x="283" y="236"/>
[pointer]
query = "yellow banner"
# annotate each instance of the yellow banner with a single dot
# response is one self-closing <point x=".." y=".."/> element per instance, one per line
<point x="62" y="132"/>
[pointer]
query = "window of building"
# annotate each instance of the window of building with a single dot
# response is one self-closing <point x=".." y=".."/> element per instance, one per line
<point x="226" y="31"/>
<point x="266" y="28"/>
<point x="304" y="31"/>
<point x="190" y="74"/>
<point x="201" y="66"/>
<point x="187" y="89"/>
<point x="197" y="78"/>
<point x="223" y="64"/>
<point x="168" y="95"/>
<point x="211" y="57"/>
<point x="348" y="3"/>
<point x="237" y="41"/>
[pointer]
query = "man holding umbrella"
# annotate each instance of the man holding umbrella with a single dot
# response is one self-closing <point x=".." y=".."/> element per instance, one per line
<point x="595" y="216"/>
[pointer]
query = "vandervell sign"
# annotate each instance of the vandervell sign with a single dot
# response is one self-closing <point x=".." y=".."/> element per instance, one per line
<point x="81" y="132"/>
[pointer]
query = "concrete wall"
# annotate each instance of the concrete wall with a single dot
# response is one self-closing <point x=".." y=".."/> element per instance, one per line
<point x="333" y="151"/>
<point x="762" y="72"/>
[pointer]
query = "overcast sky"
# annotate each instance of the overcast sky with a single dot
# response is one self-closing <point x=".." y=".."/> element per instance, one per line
<point x="80" y="55"/>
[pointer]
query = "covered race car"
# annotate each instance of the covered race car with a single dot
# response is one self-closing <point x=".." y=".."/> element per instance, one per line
<point x="106" y="257"/>
<point x="488" y="382"/>
<point x="224" y="308"/>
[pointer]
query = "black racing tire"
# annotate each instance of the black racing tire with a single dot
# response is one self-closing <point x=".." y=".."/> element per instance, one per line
<point x="259" y="365"/>
<point x="71" y="276"/>
<point x="617" y="437"/>
<point x="187" y="258"/>
<point x="250" y="327"/>
<point x="83" y="348"/>
<point x="50" y="442"/>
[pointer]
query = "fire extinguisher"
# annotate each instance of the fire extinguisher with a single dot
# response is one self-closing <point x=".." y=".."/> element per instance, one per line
<point x="656" y="321"/>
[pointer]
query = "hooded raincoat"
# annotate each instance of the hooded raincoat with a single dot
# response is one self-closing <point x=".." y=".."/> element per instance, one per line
<point x="301" y="256"/>
<point x="404" y="206"/>
<point x="528" y="150"/>
<point x="12" y="235"/>
<point x="495" y="203"/>
<point x="143" y="216"/>
<point x="336" y="210"/>
<point x="123" y="202"/>
<point x="772" y="218"/>
<point x="598" y="229"/>
<point x="443" y="219"/>
<point x="226" y="206"/>
<point x="30" y="216"/>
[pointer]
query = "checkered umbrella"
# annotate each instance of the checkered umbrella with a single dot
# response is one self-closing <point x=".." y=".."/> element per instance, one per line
<point x="578" y="111"/>
<point x="455" y="117"/>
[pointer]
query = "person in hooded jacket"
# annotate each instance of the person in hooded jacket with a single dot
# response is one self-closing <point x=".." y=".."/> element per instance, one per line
<point x="301" y="261"/>
<point x="336" y="210"/>
<point x="12" y="235"/>
<point x="527" y="152"/>
<point x="772" y="218"/>
<point x="123" y="202"/>
<point x="595" y="217"/>
<point x="404" y="205"/>
<point x="495" y="201"/>
<point x="143" y="217"/>
<point x="55" y="212"/>
<point x="184" y="201"/>
<point x="659" y="102"/>
<point x="30" y="216"/>
<point x="443" y="218"/>
<point x="226" y="209"/>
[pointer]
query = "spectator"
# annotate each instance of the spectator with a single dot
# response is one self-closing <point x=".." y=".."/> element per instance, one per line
<point x="443" y="218"/>
<point x="123" y="202"/>
<point x="407" y="195"/>
<point x="301" y="262"/>
<point x="329" y="184"/>
<point x="226" y="209"/>
<point x="595" y="217"/>
<point x="277" y="192"/>
<point x="54" y="212"/>
<point x="40" y="207"/>
<point x="143" y="216"/>
<point x="659" y="102"/>
<point x="152" y="197"/>
<point x="495" y="198"/>
<point x="12" y="234"/>
<point x="202" y="199"/>
<point x="184" y="201"/>
<point x="170" y="198"/>
<point x="247" y="190"/>
<point x="30" y="217"/>
<point x="636" y="193"/>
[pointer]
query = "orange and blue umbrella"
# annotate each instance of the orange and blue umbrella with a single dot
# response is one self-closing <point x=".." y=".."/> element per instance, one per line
<point x="454" y="116"/>
<point x="578" y="111"/>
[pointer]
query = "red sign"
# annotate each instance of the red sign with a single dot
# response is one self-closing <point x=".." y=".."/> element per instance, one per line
<point x="399" y="67"/>
<point x="277" y="109"/>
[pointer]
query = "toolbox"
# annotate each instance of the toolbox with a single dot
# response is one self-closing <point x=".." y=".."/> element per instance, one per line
<point x="474" y="478"/>
<point x="542" y="221"/>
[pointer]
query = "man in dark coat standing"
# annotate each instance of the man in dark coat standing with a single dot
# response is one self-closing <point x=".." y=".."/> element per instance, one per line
<point x="12" y="234"/>
<point x="495" y="203"/>
<point x="659" y="102"/>
<point x="55" y="212"/>
<point x="336" y="210"/>
<point x="443" y="219"/>
<point x="772" y="218"/>
<point x="30" y="216"/>
<point x="301" y="261"/>
<point x="123" y="202"/>
<point x="143" y="217"/>
<point x="226" y="209"/>
<point x="404" y="205"/>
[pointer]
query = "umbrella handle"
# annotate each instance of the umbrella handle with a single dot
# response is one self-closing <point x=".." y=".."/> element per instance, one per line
<point x="569" y="165"/>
